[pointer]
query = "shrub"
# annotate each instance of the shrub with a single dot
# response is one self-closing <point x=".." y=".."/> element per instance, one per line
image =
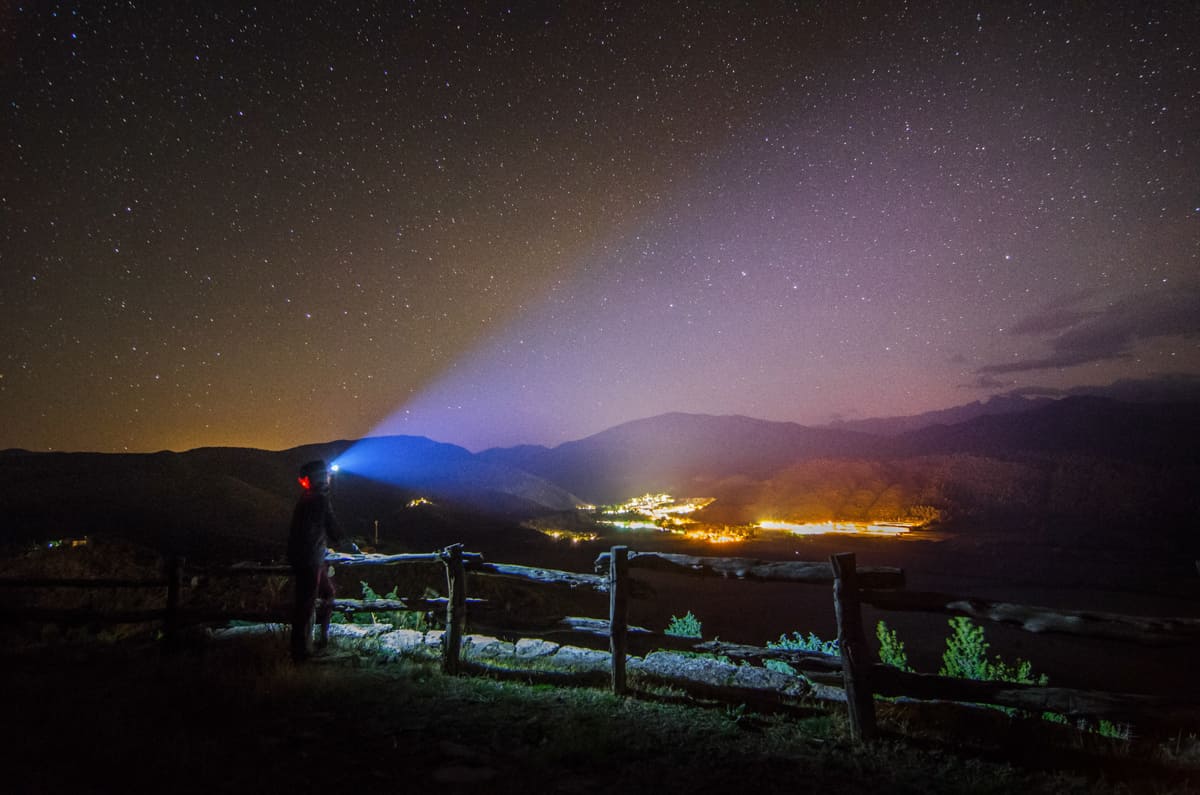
<point x="891" y="648"/>
<point x="798" y="642"/>
<point x="399" y="619"/>
<point x="1116" y="731"/>
<point x="779" y="666"/>
<point x="686" y="627"/>
<point x="966" y="657"/>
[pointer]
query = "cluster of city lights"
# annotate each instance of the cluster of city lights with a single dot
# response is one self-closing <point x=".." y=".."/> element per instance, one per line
<point x="668" y="514"/>
<point x="662" y="510"/>
<point x="724" y="535"/>
<point x="847" y="528"/>
<point x="574" y="536"/>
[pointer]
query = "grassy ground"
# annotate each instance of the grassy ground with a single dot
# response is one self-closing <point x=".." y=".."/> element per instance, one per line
<point x="237" y="716"/>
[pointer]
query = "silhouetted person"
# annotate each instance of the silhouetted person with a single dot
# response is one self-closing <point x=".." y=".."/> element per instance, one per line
<point x="314" y="528"/>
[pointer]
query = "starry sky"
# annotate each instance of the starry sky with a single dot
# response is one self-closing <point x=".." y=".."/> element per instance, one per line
<point x="229" y="224"/>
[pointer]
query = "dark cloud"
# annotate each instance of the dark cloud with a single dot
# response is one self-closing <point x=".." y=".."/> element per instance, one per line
<point x="986" y="382"/>
<point x="1162" y="388"/>
<point x="1034" y="391"/>
<point x="1106" y="334"/>
<point x="1057" y="315"/>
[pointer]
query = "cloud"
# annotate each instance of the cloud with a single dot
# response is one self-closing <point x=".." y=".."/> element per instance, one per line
<point x="986" y="382"/>
<point x="1034" y="391"/>
<point x="1159" y="388"/>
<point x="1061" y="313"/>
<point x="1088" y="335"/>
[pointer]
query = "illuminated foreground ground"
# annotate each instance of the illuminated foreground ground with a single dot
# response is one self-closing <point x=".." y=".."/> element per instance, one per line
<point x="238" y="717"/>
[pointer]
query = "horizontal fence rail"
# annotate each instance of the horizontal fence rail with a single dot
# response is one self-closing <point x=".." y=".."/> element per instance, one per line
<point x="1031" y="618"/>
<point x="1127" y="707"/>
<point x="809" y="572"/>
<point x="862" y="680"/>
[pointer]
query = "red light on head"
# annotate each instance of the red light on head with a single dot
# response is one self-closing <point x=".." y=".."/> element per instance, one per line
<point x="305" y="482"/>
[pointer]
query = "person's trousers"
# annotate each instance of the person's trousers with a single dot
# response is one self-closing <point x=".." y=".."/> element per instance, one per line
<point x="310" y="584"/>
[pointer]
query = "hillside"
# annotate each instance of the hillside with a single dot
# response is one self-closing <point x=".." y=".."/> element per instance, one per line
<point x="671" y="452"/>
<point x="1082" y="465"/>
<point x="1072" y="467"/>
<point x="235" y="501"/>
<point x="1163" y="434"/>
<point x="894" y="426"/>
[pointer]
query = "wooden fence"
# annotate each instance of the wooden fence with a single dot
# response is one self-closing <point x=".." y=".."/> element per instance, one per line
<point x="862" y="679"/>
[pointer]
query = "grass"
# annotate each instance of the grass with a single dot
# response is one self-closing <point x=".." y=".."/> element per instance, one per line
<point x="237" y="716"/>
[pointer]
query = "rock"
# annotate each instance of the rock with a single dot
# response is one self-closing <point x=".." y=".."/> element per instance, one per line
<point x="532" y="648"/>
<point x="221" y="633"/>
<point x="755" y="678"/>
<point x="486" y="647"/>
<point x="697" y="669"/>
<point x="715" y="673"/>
<point x="577" y="659"/>
<point x="358" y="631"/>
<point x="402" y="640"/>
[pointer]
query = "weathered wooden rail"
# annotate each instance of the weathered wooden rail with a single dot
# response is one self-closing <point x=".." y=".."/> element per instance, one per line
<point x="861" y="679"/>
<point x="882" y="587"/>
<point x="885" y="680"/>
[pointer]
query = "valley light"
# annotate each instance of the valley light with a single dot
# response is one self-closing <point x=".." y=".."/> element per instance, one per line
<point x="848" y="528"/>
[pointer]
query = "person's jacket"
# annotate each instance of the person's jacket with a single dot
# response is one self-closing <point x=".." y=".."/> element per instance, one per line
<point x="314" y="527"/>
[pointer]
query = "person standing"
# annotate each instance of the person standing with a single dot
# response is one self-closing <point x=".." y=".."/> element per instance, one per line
<point x="314" y="528"/>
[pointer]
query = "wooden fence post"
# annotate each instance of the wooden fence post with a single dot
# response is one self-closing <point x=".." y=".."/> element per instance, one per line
<point x="171" y="614"/>
<point x="618" y="614"/>
<point x="852" y="645"/>
<point x="456" y="608"/>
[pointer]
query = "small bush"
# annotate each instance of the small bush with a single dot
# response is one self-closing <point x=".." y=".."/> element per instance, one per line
<point x="891" y="648"/>
<point x="686" y="627"/>
<point x="798" y="642"/>
<point x="399" y="619"/>
<point x="966" y="658"/>
<point x="1115" y="731"/>
<point x="779" y="666"/>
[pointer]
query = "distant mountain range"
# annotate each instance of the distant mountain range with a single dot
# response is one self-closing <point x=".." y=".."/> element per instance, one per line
<point x="1172" y="388"/>
<point x="894" y="426"/>
<point x="1087" y="460"/>
<point x="219" y="501"/>
<point x="662" y="453"/>
<point x="672" y="451"/>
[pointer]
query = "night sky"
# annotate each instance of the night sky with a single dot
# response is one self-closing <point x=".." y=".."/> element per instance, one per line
<point x="266" y="226"/>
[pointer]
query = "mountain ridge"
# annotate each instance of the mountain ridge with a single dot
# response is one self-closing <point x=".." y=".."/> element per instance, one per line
<point x="1095" y="459"/>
